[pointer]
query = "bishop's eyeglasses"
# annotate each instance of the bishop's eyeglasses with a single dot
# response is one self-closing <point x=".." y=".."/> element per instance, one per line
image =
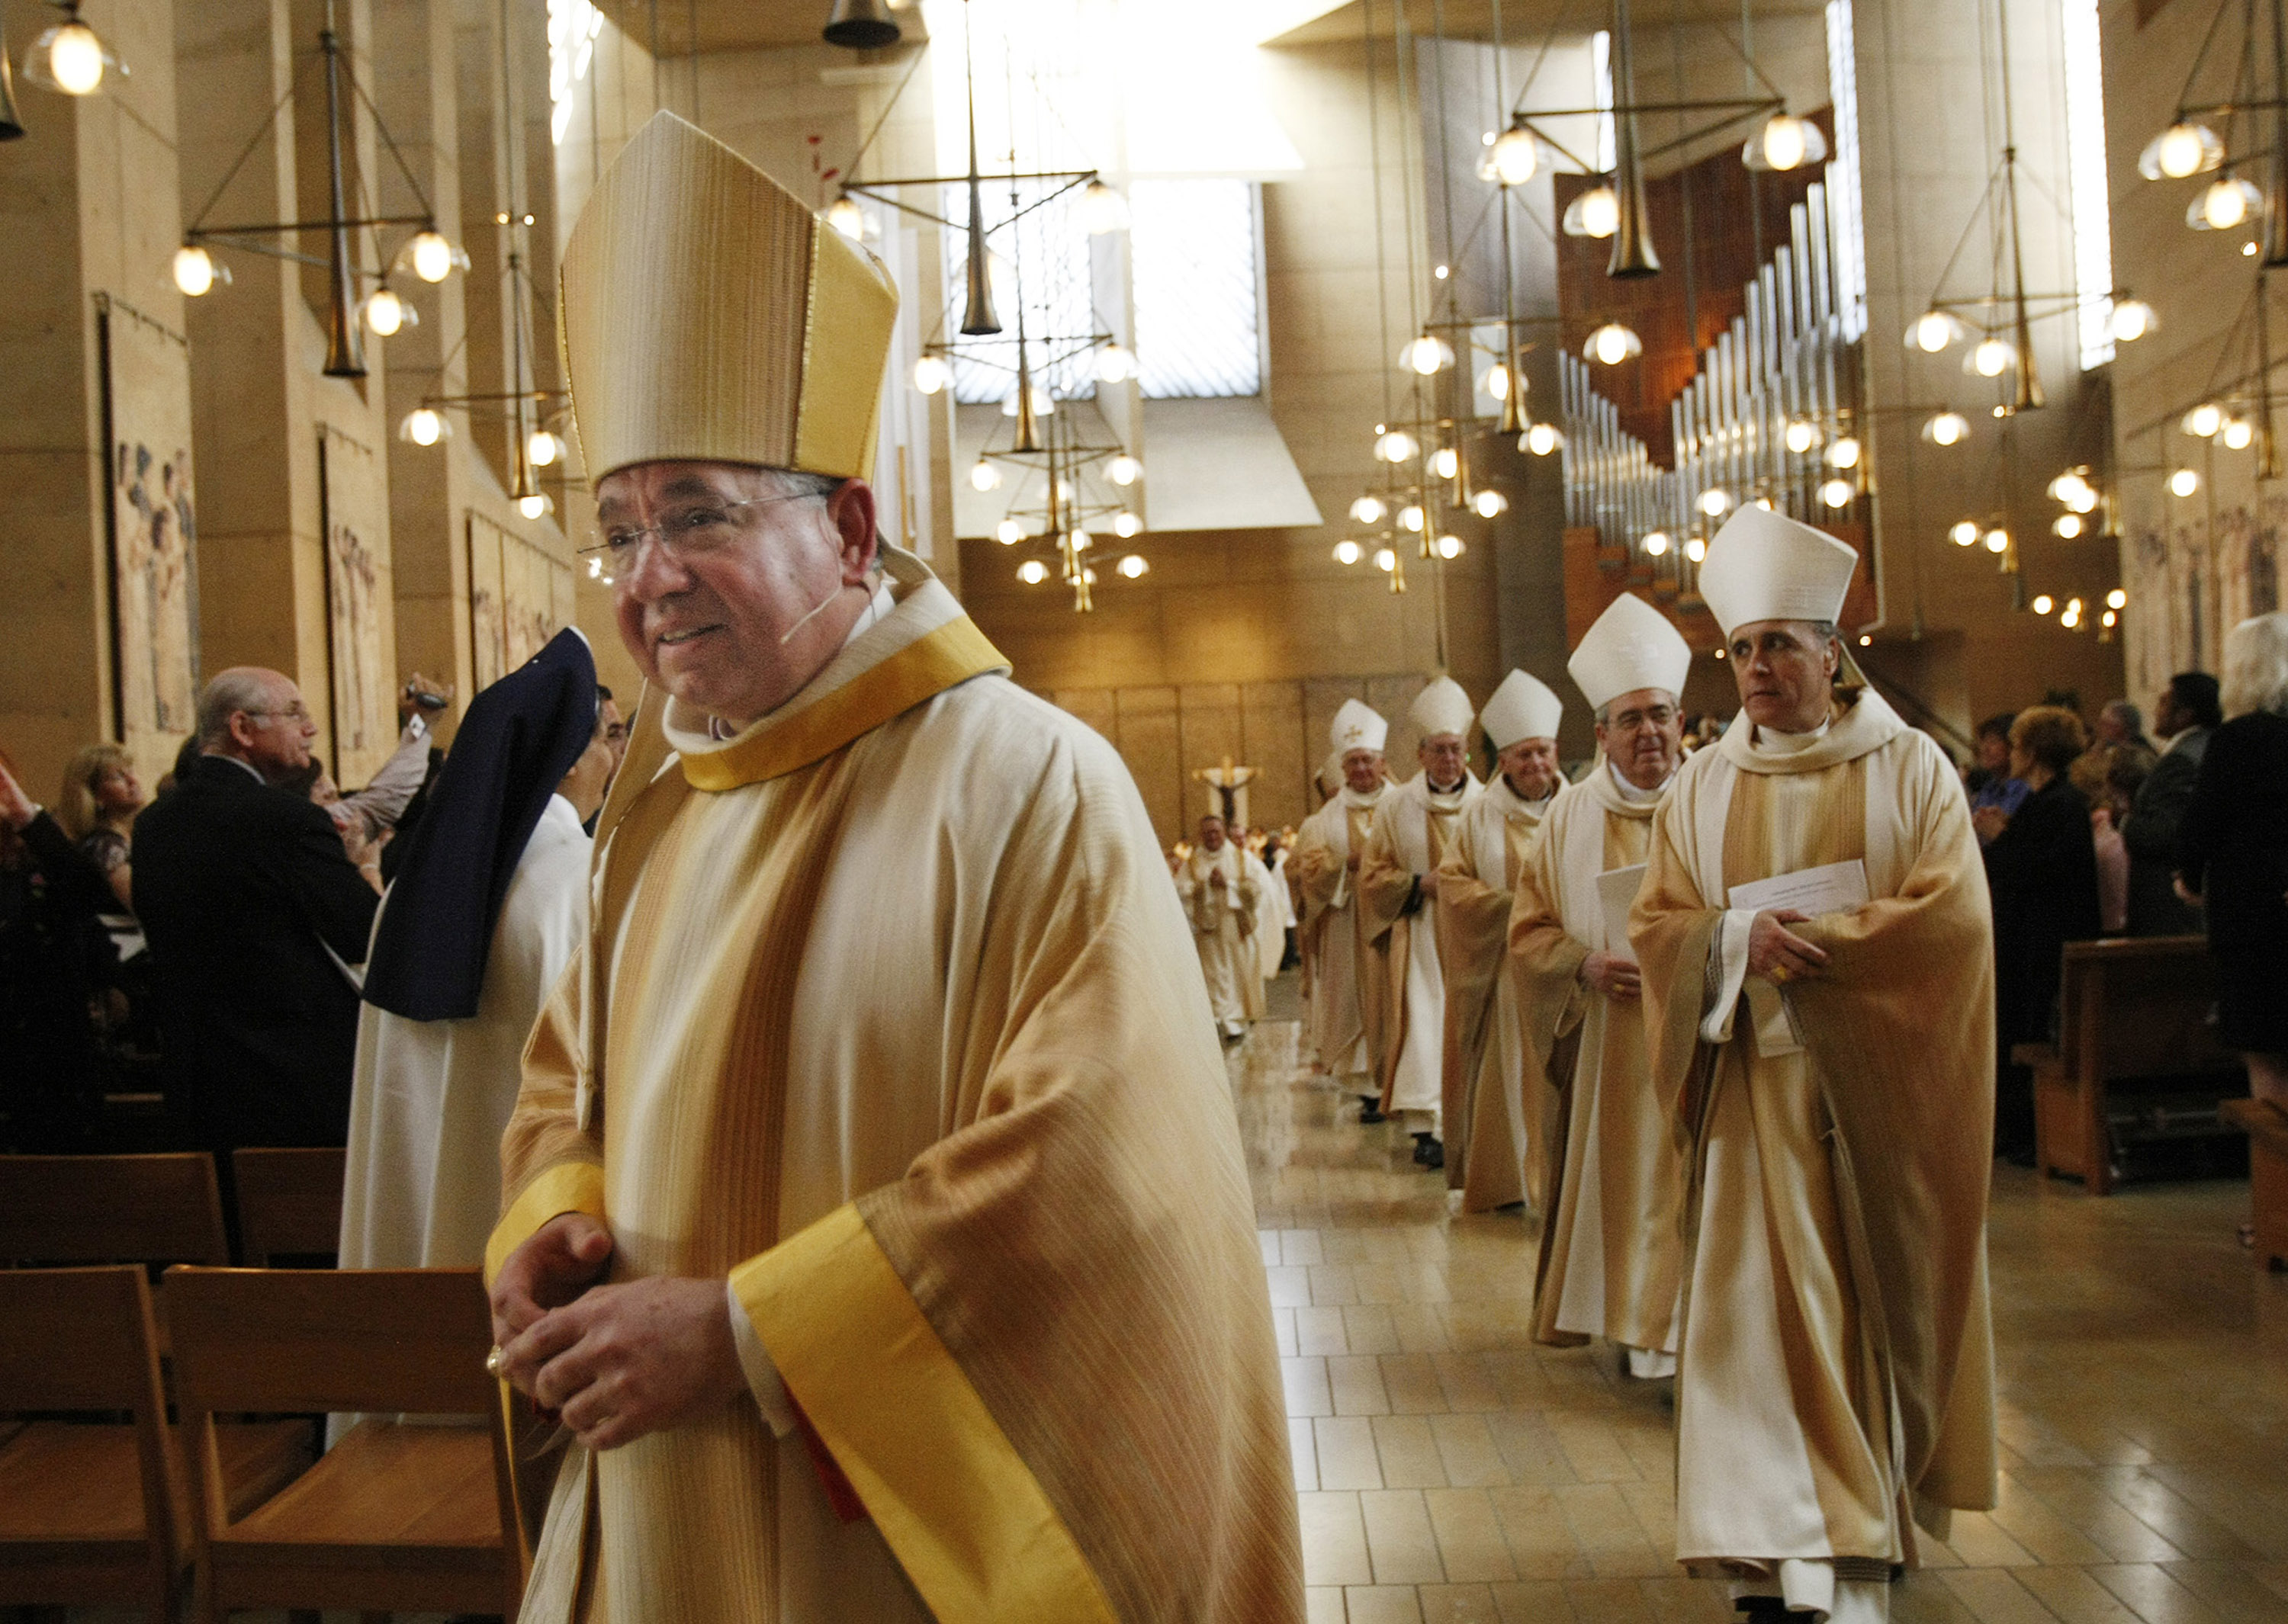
<point x="687" y="530"/>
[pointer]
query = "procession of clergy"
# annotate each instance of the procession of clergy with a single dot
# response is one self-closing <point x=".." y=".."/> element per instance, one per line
<point x="873" y="1227"/>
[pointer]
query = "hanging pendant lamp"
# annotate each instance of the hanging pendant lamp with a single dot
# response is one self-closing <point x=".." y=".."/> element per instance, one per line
<point x="862" y="25"/>
<point x="978" y="319"/>
<point x="1632" y="249"/>
<point x="345" y="343"/>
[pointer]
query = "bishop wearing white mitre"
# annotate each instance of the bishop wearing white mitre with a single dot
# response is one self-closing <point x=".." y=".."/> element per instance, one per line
<point x="1398" y="889"/>
<point x="1350" y="1004"/>
<point x="1817" y="958"/>
<point x="1491" y="1136"/>
<point x="1609" y="1249"/>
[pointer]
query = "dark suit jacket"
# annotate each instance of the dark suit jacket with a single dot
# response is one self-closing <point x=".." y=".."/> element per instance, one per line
<point x="2042" y="870"/>
<point x="241" y="888"/>
<point x="2150" y="832"/>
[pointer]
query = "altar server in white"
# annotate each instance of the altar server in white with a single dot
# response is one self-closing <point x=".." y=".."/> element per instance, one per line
<point x="1609" y="1252"/>
<point x="1493" y="1126"/>
<point x="1398" y="891"/>
<point x="1349" y="1005"/>
<point x="1831" y="1056"/>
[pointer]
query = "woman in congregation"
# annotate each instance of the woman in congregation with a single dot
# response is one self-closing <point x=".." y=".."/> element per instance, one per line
<point x="101" y="797"/>
<point x="2232" y="851"/>
<point x="487" y="907"/>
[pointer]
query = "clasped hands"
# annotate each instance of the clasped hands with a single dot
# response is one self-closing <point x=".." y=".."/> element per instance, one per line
<point x="1778" y="953"/>
<point x="613" y="1362"/>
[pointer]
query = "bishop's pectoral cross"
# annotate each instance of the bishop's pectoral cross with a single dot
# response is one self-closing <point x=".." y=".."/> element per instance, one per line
<point x="1227" y="792"/>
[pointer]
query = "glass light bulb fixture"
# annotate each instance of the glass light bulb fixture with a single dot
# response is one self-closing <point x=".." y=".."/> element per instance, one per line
<point x="1126" y="524"/>
<point x="1991" y="357"/>
<point x="2203" y="420"/>
<point x="1696" y="549"/>
<point x="1410" y="518"/>
<point x="1346" y="551"/>
<point x="2066" y="527"/>
<point x="1612" y="344"/>
<point x="1009" y="532"/>
<point x="1102" y="209"/>
<point x="1515" y="155"/>
<point x="1998" y="540"/>
<point x="1449" y="546"/>
<point x="1784" y="143"/>
<point x="1933" y="330"/>
<point x="69" y="58"/>
<point x="1715" y="499"/>
<point x="846" y="217"/>
<point x="1489" y="503"/>
<point x="984" y="476"/>
<point x="1396" y="446"/>
<point x="424" y="426"/>
<point x="1802" y="436"/>
<point x="1368" y="510"/>
<point x="1496" y="381"/>
<point x="1445" y="462"/>
<point x="931" y="374"/>
<point x="1032" y="572"/>
<point x="2108" y="619"/>
<point x="2226" y="204"/>
<point x="1115" y="364"/>
<point x="1963" y="532"/>
<point x="2043" y="603"/>
<point x="1132" y="565"/>
<point x="1595" y="213"/>
<point x="2237" y="434"/>
<point x="1540" y="438"/>
<point x="2184" y="482"/>
<point x="1844" y="452"/>
<point x="1655" y="544"/>
<point x="1838" y="492"/>
<point x="2068" y="485"/>
<point x="533" y="506"/>
<point x="432" y="257"/>
<point x="2133" y="319"/>
<point x="1947" y="429"/>
<point x="386" y="314"/>
<point x="2072" y="616"/>
<point x="1385" y="559"/>
<point x="1425" y="355"/>
<point x="543" y="448"/>
<point x="2117" y="599"/>
<point x="196" y="271"/>
<point x="1123" y="469"/>
<point x="2182" y="150"/>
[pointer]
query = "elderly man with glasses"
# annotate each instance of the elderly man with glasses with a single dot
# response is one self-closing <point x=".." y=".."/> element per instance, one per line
<point x="876" y="1220"/>
<point x="255" y="916"/>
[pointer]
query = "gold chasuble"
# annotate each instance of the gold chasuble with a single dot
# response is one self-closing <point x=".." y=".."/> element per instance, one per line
<point x="1836" y="1383"/>
<point x="1488" y="1129"/>
<point x="1350" y="1002"/>
<point x="1413" y="829"/>
<point x="1611" y="1250"/>
<point x="888" y="1016"/>
<point x="1223" y="921"/>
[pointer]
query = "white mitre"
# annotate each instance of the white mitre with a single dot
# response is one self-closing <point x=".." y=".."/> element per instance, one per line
<point x="1357" y="727"/>
<point x="1633" y="646"/>
<point x="1523" y="707"/>
<point x="1766" y="566"/>
<point x="1442" y="708"/>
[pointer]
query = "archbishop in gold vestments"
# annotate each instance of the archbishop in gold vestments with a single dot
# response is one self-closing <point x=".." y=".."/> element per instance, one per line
<point x="1350" y="1001"/>
<point x="1488" y="1126"/>
<point x="1835" y="1381"/>
<point x="1413" y="830"/>
<point x="1610" y="1248"/>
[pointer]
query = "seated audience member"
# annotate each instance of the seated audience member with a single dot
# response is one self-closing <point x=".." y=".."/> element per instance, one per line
<point x="2232" y="851"/>
<point x="2121" y="722"/>
<point x="2041" y="867"/>
<point x="101" y="797"/>
<point x="1992" y="788"/>
<point x="55" y="958"/>
<point x="488" y="906"/>
<point x="255" y="916"/>
<point x="2186" y="715"/>
<point x="2095" y="772"/>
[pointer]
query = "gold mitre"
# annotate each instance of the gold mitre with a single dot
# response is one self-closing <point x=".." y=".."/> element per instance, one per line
<point x="707" y="315"/>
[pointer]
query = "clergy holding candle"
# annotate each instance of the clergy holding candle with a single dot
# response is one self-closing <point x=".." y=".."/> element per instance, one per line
<point x="876" y="1221"/>
<point x="1817" y="958"/>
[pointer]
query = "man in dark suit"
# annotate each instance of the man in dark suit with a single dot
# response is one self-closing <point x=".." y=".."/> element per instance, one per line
<point x="2186" y="713"/>
<point x="254" y="912"/>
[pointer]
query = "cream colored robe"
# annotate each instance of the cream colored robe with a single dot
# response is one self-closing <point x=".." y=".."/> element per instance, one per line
<point x="1413" y="832"/>
<point x="1274" y="913"/>
<point x="1491" y="1143"/>
<point x="888" y="1016"/>
<point x="1350" y="1004"/>
<point x="1610" y="1250"/>
<point x="1224" y="923"/>
<point x="1835" y="1381"/>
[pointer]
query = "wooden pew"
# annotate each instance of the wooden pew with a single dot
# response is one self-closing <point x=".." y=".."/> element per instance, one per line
<point x="111" y="1209"/>
<point x="2267" y="1126"/>
<point x="289" y="1203"/>
<point x="2133" y="1010"/>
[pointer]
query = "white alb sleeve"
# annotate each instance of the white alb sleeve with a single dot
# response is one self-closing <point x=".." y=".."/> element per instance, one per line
<point x="1727" y="971"/>
<point x="771" y="1396"/>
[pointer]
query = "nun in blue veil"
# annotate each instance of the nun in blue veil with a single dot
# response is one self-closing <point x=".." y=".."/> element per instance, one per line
<point x="490" y="904"/>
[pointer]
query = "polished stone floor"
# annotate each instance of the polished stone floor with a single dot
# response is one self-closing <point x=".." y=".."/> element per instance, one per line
<point x="1448" y="1469"/>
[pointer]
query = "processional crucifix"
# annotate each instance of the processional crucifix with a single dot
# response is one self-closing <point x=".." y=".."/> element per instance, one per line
<point x="1226" y="791"/>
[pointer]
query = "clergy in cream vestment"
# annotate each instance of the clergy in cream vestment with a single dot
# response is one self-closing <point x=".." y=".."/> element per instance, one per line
<point x="1398" y="893"/>
<point x="1489" y="1137"/>
<point x="884" y="1075"/>
<point x="1609" y="1246"/>
<point x="1219" y="897"/>
<point x="1835" y="1074"/>
<point x="1350" y="1000"/>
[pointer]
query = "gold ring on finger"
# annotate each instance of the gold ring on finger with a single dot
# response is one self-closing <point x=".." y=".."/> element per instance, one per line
<point x="1779" y="973"/>
<point x="493" y="1364"/>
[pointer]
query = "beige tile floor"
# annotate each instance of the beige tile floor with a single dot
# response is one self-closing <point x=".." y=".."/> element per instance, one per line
<point x="1448" y="1469"/>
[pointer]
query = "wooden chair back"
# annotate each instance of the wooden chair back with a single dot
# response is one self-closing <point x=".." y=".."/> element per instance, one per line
<point x="84" y="1339"/>
<point x="382" y="1341"/>
<point x="89" y="1209"/>
<point x="289" y="1202"/>
<point x="2139" y="1007"/>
